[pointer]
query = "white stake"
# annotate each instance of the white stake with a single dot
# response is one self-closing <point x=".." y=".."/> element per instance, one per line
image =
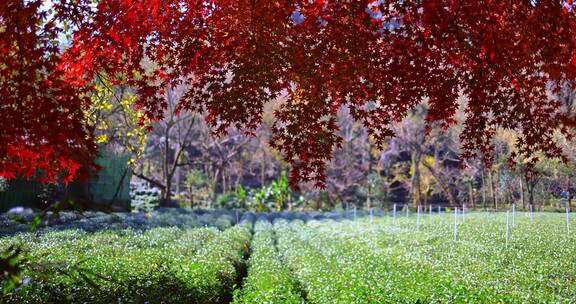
<point x="371" y="216"/>
<point x="507" y="229"/>
<point x="455" y="224"/>
<point x="430" y="212"/>
<point x="418" y="219"/>
<point x="394" y="221"/>
<point x="407" y="210"/>
<point x="567" y="220"/>
<point x="463" y="211"/>
<point x="439" y="210"/>
<point x="531" y="213"/>
<point x="513" y="215"/>
<point x="354" y="213"/>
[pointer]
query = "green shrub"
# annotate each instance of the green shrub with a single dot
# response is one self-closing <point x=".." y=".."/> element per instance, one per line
<point x="214" y="271"/>
<point x="269" y="280"/>
<point x="167" y="265"/>
<point x="381" y="262"/>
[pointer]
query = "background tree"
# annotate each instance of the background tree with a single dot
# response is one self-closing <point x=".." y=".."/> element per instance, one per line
<point x="235" y="56"/>
<point x="169" y="140"/>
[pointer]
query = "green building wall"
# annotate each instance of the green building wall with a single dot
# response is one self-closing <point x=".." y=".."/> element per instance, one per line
<point x="107" y="189"/>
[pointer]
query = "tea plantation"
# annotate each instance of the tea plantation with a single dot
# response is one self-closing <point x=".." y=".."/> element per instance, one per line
<point x="293" y="258"/>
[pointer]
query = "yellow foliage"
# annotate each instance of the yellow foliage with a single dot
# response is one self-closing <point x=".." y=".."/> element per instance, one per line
<point x="101" y="138"/>
<point x="114" y="117"/>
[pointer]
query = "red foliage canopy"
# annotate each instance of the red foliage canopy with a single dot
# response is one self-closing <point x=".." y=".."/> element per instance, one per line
<point x="41" y="118"/>
<point x="379" y="58"/>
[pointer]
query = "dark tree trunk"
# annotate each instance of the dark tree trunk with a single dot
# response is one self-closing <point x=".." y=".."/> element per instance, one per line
<point x="492" y="194"/>
<point x="569" y="194"/>
<point x="483" y="189"/>
<point x="443" y="185"/>
<point x="416" y="194"/>
<point x="522" y="195"/>
<point x="471" y="195"/>
<point x="530" y="187"/>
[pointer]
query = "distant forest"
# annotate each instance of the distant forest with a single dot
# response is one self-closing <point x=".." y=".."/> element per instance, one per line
<point x="419" y="166"/>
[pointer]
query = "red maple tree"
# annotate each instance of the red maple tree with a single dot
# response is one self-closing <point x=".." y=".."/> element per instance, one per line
<point x="42" y="132"/>
<point x="378" y="58"/>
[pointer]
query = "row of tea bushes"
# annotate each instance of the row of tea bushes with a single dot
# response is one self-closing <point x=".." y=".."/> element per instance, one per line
<point x="213" y="273"/>
<point x="381" y="262"/>
<point x="168" y="265"/>
<point x="268" y="280"/>
<point x="91" y="221"/>
<point x="538" y="266"/>
<point x="317" y="274"/>
<point x="333" y="268"/>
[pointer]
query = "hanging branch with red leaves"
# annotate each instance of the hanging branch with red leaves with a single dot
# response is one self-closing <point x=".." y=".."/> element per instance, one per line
<point x="378" y="58"/>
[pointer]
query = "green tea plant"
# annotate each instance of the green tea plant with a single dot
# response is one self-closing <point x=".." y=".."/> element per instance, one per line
<point x="213" y="272"/>
<point x="168" y="265"/>
<point x="269" y="280"/>
<point x="379" y="262"/>
<point x="318" y="274"/>
<point x="106" y="266"/>
<point x="367" y="260"/>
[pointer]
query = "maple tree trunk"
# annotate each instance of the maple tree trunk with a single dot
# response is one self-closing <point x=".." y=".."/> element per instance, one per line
<point x="213" y="184"/>
<point x="178" y="180"/>
<point x="369" y="184"/>
<point x="497" y="196"/>
<point x="223" y="181"/>
<point x="165" y="200"/>
<point x="262" y="173"/>
<point x="167" y="193"/>
<point x="171" y="168"/>
<point x="238" y="180"/>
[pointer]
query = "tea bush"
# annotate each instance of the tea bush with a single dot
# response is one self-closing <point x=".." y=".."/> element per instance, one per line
<point x="303" y="258"/>
<point x="379" y="262"/>
<point x="269" y="280"/>
<point x="168" y="265"/>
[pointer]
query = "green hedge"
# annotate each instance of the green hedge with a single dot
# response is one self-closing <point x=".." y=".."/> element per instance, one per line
<point x="269" y="280"/>
<point x="162" y="265"/>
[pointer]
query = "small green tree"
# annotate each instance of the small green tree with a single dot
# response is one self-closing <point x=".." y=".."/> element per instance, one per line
<point x="197" y="185"/>
<point x="281" y="193"/>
